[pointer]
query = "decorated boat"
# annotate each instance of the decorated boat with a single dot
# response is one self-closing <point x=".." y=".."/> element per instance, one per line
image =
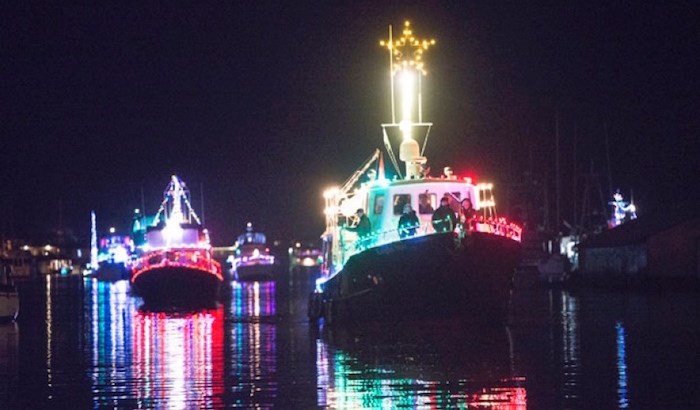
<point x="111" y="258"/>
<point x="252" y="259"/>
<point x="175" y="264"/>
<point x="381" y="258"/>
<point x="304" y="256"/>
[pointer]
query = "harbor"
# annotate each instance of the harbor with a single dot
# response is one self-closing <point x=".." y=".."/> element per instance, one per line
<point x="259" y="206"/>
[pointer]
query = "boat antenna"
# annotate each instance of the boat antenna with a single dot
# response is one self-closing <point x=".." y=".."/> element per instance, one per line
<point x="557" y="224"/>
<point x="391" y="74"/>
<point x="143" y="201"/>
<point x="607" y="155"/>
<point x="406" y="69"/>
<point x="201" y="195"/>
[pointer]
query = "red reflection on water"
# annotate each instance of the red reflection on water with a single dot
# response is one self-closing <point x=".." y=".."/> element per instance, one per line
<point x="178" y="359"/>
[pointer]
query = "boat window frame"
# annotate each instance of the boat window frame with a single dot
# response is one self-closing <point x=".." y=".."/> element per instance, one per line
<point x="378" y="207"/>
<point x="432" y="202"/>
<point x="398" y="205"/>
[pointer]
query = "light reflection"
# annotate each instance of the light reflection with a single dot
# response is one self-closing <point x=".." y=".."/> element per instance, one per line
<point x="110" y="324"/>
<point x="571" y="361"/>
<point x="178" y="359"/>
<point x="49" y="330"/>
<point x="346" y="382"/>
<point x="253" y="299"/>
<point x="623" y="402"/>
<point x="252" y="345"/>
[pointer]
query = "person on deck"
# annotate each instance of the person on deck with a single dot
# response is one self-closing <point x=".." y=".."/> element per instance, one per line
<point x="363" y="226"/>
<point x="408" y="223"/>
<point x="444" y="218"/>
<point x="467" y="213"/>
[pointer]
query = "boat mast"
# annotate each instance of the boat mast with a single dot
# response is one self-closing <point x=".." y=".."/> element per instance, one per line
<point x="406" y="69"/>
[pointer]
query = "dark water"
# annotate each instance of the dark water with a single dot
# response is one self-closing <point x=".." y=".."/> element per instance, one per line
<point x="87" y="344"/>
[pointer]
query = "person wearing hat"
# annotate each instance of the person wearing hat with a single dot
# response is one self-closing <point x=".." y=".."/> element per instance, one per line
<point x="444" y="219"/>
<point x="408" y="223"/>
<point x="363" y="226"/>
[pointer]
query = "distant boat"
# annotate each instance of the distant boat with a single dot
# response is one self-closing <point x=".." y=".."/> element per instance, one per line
<point x="303" y="256"/>
<point x="113" y="258"/>
<point x="376" y="264"/>
<point x="251" y="259"/>
<point x="9" y="296"/>
<point x="175" y="265"/>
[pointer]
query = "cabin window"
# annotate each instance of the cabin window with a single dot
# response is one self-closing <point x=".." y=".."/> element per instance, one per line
<point x="399" y="201"/>
<point x="427" y="203"/>
<point x="378" y="204"/>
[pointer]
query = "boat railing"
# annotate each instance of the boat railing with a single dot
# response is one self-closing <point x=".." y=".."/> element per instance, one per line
<point x="185" y="258"/>
<point x="494" y="226"/>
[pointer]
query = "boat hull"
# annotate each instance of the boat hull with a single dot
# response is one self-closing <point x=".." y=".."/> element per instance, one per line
<point x="172" y="286"/>
<point x="254" y="272"/>
<point x="112" y="272"/>
<point x="428" y="276"/>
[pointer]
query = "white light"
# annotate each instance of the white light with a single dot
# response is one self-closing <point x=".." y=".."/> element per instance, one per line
<point x="407" y="91"/>
<point x="330" y="192"/>
<point x="172" y="231"/>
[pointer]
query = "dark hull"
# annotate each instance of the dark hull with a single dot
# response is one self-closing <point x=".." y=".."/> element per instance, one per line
<point x="429" y="276"/>
<point x="176" y="287"/>
<point x="112" y="272"/>
<point x="254" y="273"/>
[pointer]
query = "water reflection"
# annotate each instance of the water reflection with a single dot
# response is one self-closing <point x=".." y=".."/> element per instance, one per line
<point x="178" y="360"/>
<point x="252" y="299"/>
<point x="251" y="352"/>
<point x="621" y="366"/>
<point x="88" y="344"/>
<point x="570" y="364"/>
<point x="427" y="365"/>
<point x="111" y="312"/>
<point x="152" y="359"/>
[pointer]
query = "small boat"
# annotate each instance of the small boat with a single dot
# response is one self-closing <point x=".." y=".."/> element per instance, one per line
<point x="113" y="257"/>
<point x="175" y="266"/>
<point x="304" y="256"/>
<point x="9" y="296"/>
<point x="251" y="259"/>
<point x="456" y="260"/>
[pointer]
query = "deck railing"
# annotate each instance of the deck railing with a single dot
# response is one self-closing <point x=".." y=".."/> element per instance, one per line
<point x="493" y="226"/>
<point x="187" y="258"/>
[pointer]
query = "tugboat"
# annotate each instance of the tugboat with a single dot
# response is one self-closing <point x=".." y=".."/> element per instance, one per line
<point x="458" y="260"/>
<point x="175" y="266"/>
<point x="252" y="259"/>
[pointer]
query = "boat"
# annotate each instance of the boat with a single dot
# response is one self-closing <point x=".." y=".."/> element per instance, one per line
<point x="113" y="257"/>
<point x="251" y="259"/>
<point x="441" y="266"/>
<point x="174" y="265"/>
<point x="9" y="295"/>
<point x="304" y="256"/>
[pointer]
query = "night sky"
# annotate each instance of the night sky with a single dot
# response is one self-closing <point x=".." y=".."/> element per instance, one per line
<point x="259" y="106"/>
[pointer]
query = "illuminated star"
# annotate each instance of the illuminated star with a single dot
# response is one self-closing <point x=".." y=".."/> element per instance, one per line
<point x="407" y="51"/>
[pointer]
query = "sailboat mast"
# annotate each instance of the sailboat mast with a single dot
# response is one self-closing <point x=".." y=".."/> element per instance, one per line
<point x="558" y="187"/>
<point x="391" y="74"/>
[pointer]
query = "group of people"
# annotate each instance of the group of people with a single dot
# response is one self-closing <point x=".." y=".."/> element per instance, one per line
<point x="444" y="219"/>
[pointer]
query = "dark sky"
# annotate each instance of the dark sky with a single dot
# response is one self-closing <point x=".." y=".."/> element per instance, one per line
<point x="261" y="105"/>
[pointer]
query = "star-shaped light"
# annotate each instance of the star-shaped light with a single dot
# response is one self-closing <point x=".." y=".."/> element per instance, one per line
<point x="407" y="51"/>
